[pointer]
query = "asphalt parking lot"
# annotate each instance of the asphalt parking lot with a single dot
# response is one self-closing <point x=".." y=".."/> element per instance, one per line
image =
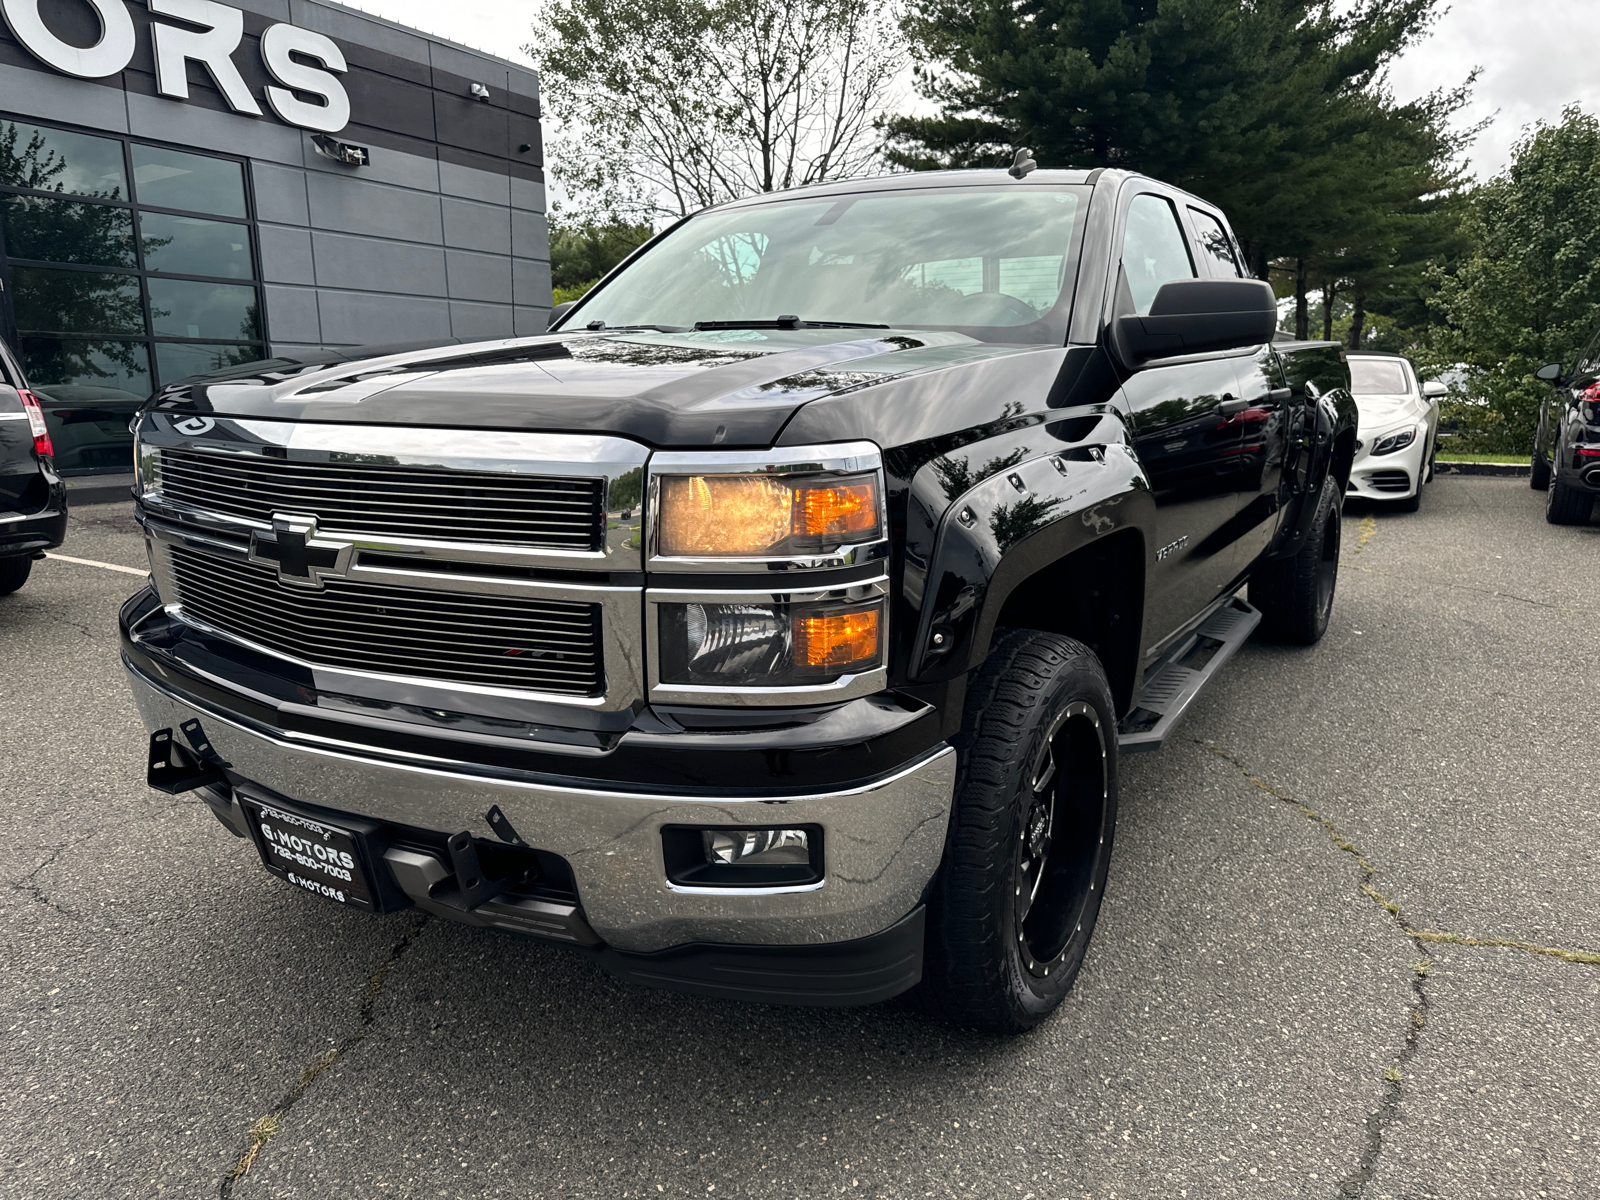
<point x="1350" y="948"/>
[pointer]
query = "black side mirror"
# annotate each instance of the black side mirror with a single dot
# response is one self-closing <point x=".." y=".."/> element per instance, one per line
<point x="1550" y="372"/>
<point x="558" y="312"/>
<point x="1195" y="316"/>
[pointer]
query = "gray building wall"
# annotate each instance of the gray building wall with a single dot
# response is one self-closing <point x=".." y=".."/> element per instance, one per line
<point x="442" y="235"/>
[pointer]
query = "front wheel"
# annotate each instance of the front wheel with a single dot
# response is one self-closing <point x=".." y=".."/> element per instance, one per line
<point x="1295" y="595"/>
<point x="1016" y="898"/>
<point x="1539" y="476"/>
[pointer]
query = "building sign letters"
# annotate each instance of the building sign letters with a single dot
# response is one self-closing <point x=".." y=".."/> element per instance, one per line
<point x="208" y="33"/>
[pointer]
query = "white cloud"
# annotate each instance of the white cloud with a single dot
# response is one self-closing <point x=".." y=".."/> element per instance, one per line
<point x="1537" y="57"/>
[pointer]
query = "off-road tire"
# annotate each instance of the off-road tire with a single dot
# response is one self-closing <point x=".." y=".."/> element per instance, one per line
<point x="1539" y="476"/>
<point x="1295" y="595"/>
<point x="14" y="573"/>
<point x="1566" y="505"/>
<point x="1035" y="690"/>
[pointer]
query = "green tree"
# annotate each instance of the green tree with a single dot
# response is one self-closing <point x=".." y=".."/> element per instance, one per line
<point x="1253" y="105"/>
<point x="668" y="106"/>
<point x="581" y="254"/>
<point x="1528" y="291"/>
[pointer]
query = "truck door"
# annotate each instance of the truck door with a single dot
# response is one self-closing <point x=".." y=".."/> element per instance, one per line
<point x="1261" y="408"/>
<point x="1181" y="413"/>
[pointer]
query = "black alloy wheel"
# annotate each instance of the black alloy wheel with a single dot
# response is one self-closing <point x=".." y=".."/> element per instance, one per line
<point x="1016" y="899"/>
<point x="1054" y="875"/>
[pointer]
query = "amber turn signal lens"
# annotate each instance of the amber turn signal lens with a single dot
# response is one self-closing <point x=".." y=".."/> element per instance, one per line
<point x="836" y="511"/>
<point x="837" y="640"/>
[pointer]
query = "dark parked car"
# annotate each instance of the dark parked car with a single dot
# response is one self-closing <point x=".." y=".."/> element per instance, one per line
<point x="1566" y="446"/>
<point x="772" y="628"/>
<point x="33" y="500"/>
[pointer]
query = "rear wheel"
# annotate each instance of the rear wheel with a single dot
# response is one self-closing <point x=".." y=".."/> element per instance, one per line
<point x="1539" y="476"/>
<point x="1566" y="505"/>
<point x="14" y="573"/>
<point x="1018" y="893"/>
<point x="1295" y="595"/>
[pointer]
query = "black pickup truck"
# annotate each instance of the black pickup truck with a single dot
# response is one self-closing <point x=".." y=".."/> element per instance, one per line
<point x="771" y="628"/>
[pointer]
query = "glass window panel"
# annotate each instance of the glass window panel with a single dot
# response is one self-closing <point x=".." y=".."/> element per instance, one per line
<point x="55" y="160"/>
<point x="970" y="258"/>
<point x="178" y="360"/>
<point x="172" y="179"/>
<point x="1153" y="250"/>
<point x="1035" y="280"/>
<point x="66" y="231"/>
<point x="1214" y="244"/>
<point x="54" y="301"/>
<point x="195" y="246"/>
<point x="185" y="309"/>
<point x="88" y="390"/>
<point x="1377" y="377"/>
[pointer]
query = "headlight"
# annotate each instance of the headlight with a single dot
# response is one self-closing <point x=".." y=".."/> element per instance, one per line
<point x="761" y="516"/>
<point x="769" y="645"/>
<point x="1398" y="440"/>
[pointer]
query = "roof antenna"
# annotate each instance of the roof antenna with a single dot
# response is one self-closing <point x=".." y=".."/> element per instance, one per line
<point x="1022" y="164"/>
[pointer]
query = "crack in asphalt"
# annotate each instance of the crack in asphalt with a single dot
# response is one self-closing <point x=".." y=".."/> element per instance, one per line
<point x="1378" y="1122"/>
<point x="265" y="1129"/>
<point x="27" y="886"/>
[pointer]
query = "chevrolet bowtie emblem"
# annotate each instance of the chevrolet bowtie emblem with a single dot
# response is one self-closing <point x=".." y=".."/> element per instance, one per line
<point x="301" y="557"/>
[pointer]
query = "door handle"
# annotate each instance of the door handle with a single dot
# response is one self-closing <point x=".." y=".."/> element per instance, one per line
<point x="1278" y="396"/>
<point x="1231" y="407"/>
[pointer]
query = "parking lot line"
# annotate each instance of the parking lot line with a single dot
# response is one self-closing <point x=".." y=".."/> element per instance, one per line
<point x="89" y="562"/>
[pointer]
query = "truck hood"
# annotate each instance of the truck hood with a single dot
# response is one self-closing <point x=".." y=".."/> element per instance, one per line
<point x="733" y="388"/>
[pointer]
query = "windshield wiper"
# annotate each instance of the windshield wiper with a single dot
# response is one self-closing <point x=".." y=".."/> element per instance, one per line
<point x="597" y="326"/>
<point x="787" y="322"/>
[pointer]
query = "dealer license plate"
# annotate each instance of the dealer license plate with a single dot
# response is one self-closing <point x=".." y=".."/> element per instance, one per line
<point x="321" y="858"/>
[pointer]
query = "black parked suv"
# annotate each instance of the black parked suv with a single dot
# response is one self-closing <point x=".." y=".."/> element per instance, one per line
<point x="1566" y="446"/>
<point x="33" y="500"/>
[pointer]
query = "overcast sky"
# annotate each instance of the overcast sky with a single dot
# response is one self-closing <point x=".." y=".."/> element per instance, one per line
<point x="1536" y="55"/>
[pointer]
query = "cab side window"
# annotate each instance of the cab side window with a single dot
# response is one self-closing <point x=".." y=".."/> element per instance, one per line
<point x="1215" y="246"/>
<point x="1153" y="250"/>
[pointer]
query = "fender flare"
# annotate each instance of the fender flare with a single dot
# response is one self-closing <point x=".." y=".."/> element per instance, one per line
<point x="1009" y="527"/>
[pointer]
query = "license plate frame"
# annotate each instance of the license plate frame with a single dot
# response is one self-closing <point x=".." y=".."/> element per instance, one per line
<point x="326" y="858"/>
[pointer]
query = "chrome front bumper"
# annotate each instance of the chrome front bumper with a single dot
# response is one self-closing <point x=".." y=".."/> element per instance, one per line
<point x="884" y="840"/>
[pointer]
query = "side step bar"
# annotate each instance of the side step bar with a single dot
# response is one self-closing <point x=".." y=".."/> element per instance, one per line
<point x="1166" y="695"/>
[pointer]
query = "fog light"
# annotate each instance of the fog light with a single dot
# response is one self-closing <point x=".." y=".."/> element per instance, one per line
<point x="757" y="847"/>
<point x="702" y="857"/>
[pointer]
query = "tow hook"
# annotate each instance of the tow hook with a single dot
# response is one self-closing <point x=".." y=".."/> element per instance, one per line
<point x="173" y="769"/>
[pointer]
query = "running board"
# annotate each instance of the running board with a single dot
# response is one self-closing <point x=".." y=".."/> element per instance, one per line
<point x="1166" y="696"/>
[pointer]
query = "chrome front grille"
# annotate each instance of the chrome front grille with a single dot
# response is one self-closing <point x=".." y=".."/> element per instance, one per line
<point x="401" y="501"/>
<point x="502" y="641"/>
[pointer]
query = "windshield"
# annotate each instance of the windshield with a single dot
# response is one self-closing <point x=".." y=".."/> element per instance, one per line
<point x="995" y="263"/>
<point x="1378" y="377"/>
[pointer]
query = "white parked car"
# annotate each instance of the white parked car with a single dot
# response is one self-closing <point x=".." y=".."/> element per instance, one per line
<point x="1399" y="430"/>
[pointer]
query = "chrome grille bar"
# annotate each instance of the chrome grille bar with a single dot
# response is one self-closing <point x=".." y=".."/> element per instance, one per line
<point x="504" y="641"/>
<point x="447" y="505"/>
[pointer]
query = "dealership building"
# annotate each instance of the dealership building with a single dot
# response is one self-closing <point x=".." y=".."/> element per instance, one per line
<point x="190" y="184"/>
